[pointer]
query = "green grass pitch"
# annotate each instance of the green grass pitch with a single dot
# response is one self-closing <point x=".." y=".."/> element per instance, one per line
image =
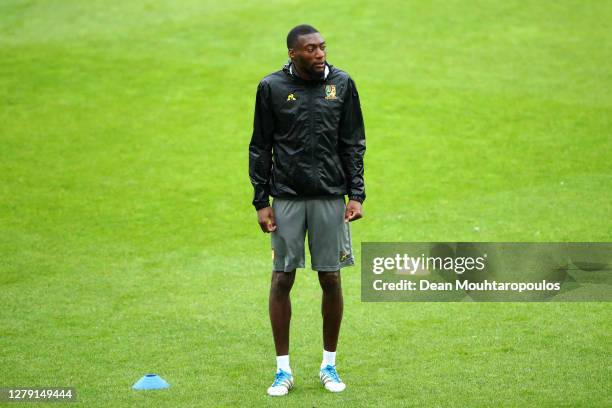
<point x="128" y="243"/>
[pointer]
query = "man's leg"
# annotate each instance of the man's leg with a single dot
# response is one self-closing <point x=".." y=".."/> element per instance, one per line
<point x="332" y="306"/>
<point x="279" y="304"/>
<point x="288" y="254"/>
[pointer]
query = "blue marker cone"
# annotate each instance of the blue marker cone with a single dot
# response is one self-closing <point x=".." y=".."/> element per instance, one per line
<point x="150" y="382"/>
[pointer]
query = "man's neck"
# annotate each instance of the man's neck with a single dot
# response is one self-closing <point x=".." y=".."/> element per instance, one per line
<point x="301" y="74"/>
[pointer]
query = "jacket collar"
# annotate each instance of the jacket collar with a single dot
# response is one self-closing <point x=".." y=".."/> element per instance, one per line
<point x="289" y="70"/>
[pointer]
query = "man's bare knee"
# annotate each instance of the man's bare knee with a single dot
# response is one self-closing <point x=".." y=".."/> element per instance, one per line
<point x="329" y="281"/>
<point x="282" y="282"/>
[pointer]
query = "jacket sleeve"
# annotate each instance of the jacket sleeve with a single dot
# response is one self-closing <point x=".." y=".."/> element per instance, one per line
<point x="351" y="146"/>
<point x="260" y="148"/>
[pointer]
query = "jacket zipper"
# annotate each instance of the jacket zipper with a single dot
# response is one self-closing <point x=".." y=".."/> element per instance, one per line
<point x="315" y="169"/>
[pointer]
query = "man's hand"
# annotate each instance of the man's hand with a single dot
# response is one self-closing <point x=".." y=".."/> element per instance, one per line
<point x="353" y="211"/>
<point x="265" y="218"/>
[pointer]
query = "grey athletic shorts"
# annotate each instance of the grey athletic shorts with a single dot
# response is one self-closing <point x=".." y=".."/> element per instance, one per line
<point x="329" y="237"/>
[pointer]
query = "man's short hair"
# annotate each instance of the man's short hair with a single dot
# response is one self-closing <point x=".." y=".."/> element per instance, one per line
<point x="295" y="32"/>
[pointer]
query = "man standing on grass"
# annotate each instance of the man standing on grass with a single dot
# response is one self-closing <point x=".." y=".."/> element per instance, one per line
<point x="307" y="152"/>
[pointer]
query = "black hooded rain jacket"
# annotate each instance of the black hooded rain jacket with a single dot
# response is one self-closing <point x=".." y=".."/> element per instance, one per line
<point x="308" y="138"/>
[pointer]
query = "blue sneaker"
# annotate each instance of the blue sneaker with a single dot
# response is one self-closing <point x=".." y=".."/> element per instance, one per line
<point x="283" y="382"/>
<point x="330" y="380"/>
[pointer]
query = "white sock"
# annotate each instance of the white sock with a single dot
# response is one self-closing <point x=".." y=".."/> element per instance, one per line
<point x="282" y="363"/>
<point x="329" y="358"/>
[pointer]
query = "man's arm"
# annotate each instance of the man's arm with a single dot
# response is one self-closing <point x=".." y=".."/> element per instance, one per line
<point x="260" y="148"/>
<point x="351" y="149"/>
<point x="260" y="158"/>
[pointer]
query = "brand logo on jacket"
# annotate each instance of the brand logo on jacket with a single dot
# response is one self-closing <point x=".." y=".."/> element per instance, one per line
<point x="291" y="97"/>
<point x="330" y="92"/>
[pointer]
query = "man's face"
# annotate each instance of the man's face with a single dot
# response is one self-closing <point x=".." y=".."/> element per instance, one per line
<point x="309" y="55"/>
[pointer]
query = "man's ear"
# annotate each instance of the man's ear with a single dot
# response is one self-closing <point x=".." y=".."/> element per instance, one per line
<point x="291" y="53"/>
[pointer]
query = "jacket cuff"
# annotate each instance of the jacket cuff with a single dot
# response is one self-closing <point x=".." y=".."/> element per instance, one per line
<point x="357" y="198"/>
<point x="261" y="204"/>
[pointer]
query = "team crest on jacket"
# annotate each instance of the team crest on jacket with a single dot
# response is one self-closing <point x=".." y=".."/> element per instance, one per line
<point x="330" y="91"/>
<point x="291" y="97"/>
